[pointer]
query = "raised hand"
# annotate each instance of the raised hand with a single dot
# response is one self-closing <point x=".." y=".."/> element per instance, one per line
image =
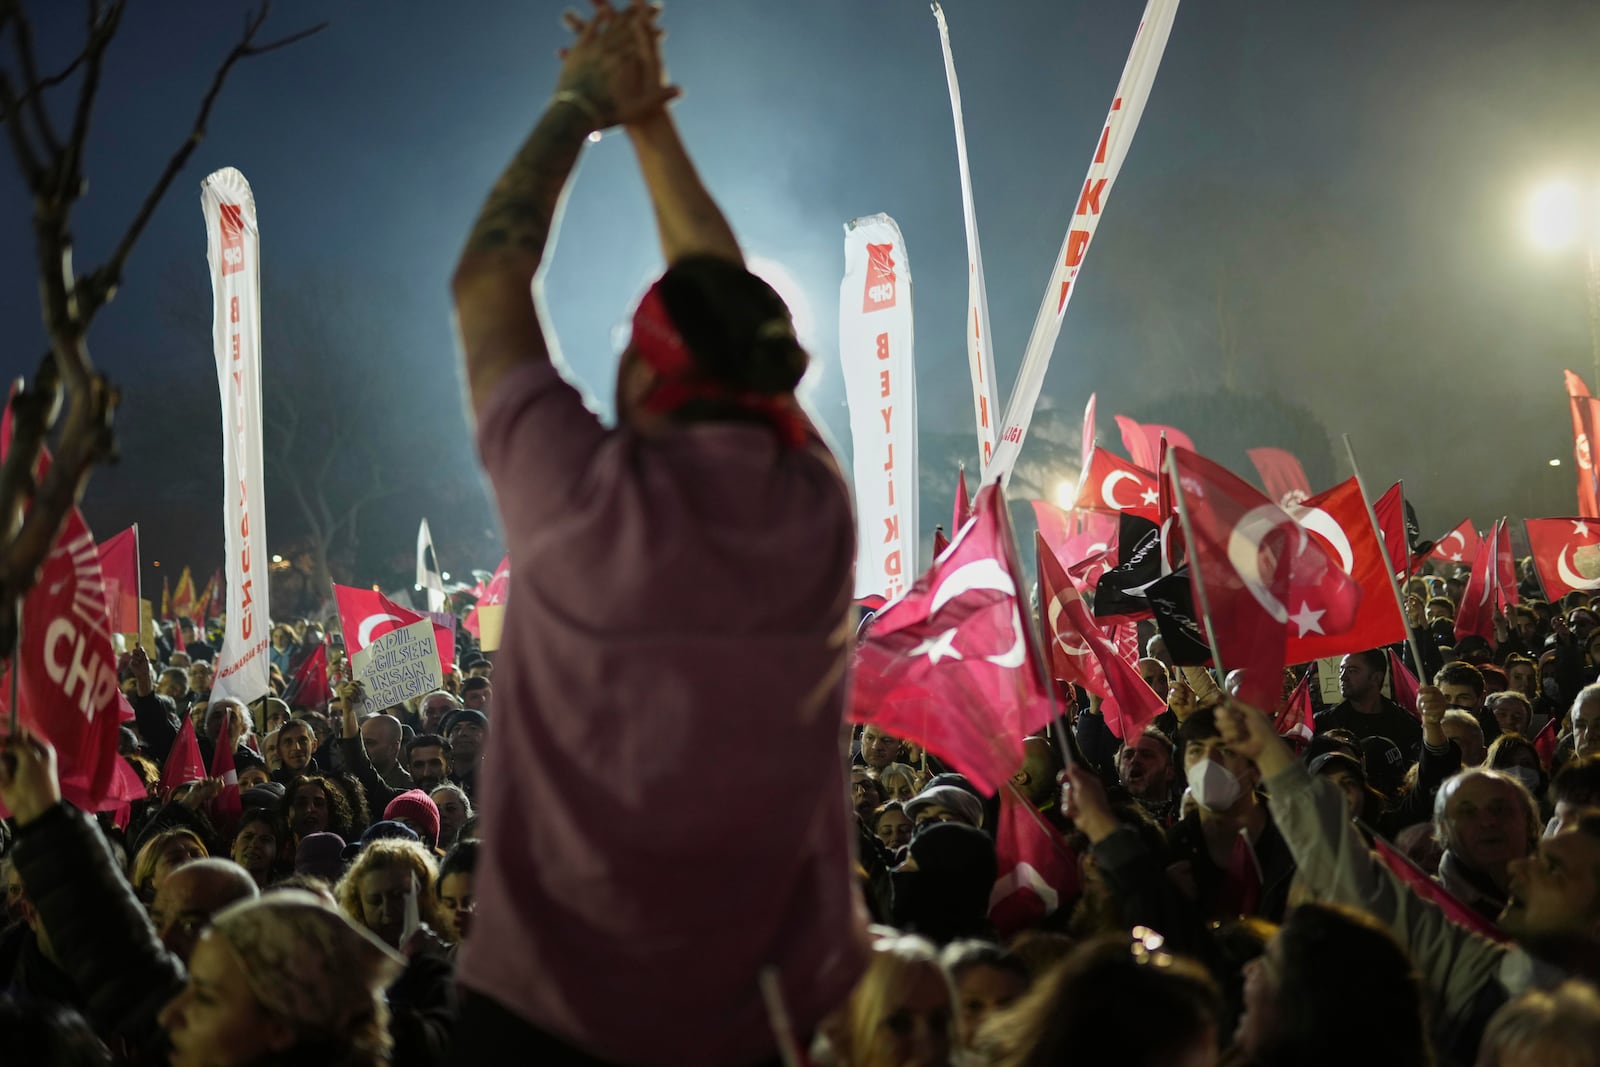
<point x="1084" y="801"/>
<point x="1251" y="734"/>
<point x="612" y="71"/>
<point x="29" y="783"/>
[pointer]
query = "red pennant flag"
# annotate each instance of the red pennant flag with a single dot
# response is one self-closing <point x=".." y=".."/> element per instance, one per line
<point x="178" y="644"/>
<point x="1505" y="570"/>
<point x="1403" y="684"/>
<point x="1337" y="520"/>
<point x="227" y="807"/>
<point x="1546" y="744"/>
<point x="1475" y="613"/>
<point x="1295" y="718"/>
<point x="493" y="594"/>
<point x="963" y="508"/>
<point x="1143" y="441"/>
<point x="1391" y="511"/>
<point x="949" y="665"/>
<point x="1112" y="484"/>
<point x="1565" y="554"/>
<point x="119" y="569"/>
<point x="126" y="787"/>
<point x="1258" y="574"/>
<point x="66" y="668"/>
<point x="1281" y="474"/>
<point x="1038" y="870"/>
<point x="1080" y="653"/>
<point x="940" y="542"/>
<point x="1460" y="545"/>
<point x="309" y="687"/>
<point x="183" y="762"/>
<point x="1417" y="880"/>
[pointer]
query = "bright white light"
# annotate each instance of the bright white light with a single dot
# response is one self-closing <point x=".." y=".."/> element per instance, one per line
<point x="445" y="575"/>
<point x="277" y="558"/>
<point x="1066" y="494"/>
<point x="1555" y="463"/>
<point x="1555" y="215"/>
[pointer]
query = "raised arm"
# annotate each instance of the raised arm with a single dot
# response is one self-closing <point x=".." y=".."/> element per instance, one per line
<point x="603" y="83"/>
<point x="689" y="220"/>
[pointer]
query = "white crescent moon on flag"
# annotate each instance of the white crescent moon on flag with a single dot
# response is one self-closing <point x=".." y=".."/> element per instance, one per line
<point x="1571" y="577"/>
<point x="1055" y="627"/>
<point x="1244" y="553"/>
<point x="1460" y="537"/>
<point x="371" y="623"/>
<point x="1025" y="876"/>
<point x="1320" y="522"/>
<point x="1108" y="489"/>
<point x="984" y="574"/>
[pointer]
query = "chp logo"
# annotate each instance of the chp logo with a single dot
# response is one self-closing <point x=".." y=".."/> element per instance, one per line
<point x="880" y="278"/>
<point x="232" y="238"/>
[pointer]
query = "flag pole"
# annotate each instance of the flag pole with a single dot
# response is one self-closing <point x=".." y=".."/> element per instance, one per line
<point x="1195" y="572"/>
<point x="1388" y="571"/>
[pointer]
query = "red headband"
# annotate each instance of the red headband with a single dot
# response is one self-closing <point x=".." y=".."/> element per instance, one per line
<point x="662" y="348"/>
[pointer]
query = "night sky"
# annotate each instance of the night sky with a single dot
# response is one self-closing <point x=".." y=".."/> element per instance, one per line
<point x="1324" y="202"/>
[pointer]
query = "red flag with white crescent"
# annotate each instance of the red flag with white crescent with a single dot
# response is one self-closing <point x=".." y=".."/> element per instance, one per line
<point x="949" y="665"/>
<point x="1475" y="613"/>
<point x="1114" y="484"/>
<point x="1295" y="718"/>
<point x="1081" y="653"/>
<point x="309" y="687"/>
<point x="1566" y="553"/>
<point x="1281" y="474"/>
<point x="1461" y="545"/>
<point x="1259" y="574"/>
<point x="494" y="595"/>
<point x="1584" y="422"/>
<point x="1038" y="871"/>
<point x="1338" y="521"/>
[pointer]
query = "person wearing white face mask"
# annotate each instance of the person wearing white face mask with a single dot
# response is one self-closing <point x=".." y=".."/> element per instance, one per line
<point x="1226" y="856"/>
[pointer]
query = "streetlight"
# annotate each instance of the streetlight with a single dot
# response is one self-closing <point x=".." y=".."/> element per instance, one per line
<point x="1559" y="216"/>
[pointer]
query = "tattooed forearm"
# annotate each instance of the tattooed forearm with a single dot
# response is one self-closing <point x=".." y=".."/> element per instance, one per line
<point x="521" y="209"/>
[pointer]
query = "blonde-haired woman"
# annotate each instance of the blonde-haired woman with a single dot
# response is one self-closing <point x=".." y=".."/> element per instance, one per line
<point x="161" y="855"/>
<point x="902" y="1012"/>
<point x="375" y="889"/>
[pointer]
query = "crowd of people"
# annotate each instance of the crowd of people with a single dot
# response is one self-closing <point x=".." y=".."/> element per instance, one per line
<point x="685" y="857"/>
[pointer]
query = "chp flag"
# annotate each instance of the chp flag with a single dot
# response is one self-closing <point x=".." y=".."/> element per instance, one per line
<point x="392" y="650"/>
<point x="232" y="249"/>
<point x="1122" y="122"/>
<point x="1566" y="553"/>
<point x="875" y="355"/>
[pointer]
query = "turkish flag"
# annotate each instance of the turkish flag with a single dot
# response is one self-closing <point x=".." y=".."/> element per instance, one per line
<point x="1417" y="880"/>
<point x="1403" y="684"/>
<point x="1505" y="570"/>
<point x="1281" y="473"/>
<point x="366" y="614"/>
<point x="1295" y="717"/>
<point x="1258" y="574"/>
<point x="1080" y="653"/>
<point x="1475" y="613"/>
<point x="494" y="596"/>
<point x="949" y="665"/>
<point x="963" y="508"/>
<point x="183" y="762"/>
<point x="309" y="687"/>
<point x="1038" y="871"/>
<point x="1460" y="545"/>
<point x="1338" y="521"/>
<point x="1112" y="484"/>
<point x="1143" y="441"/>
<point x="1391" y="511"/>
<point x="1566" y="553"/>
<point x="119" y="570"/>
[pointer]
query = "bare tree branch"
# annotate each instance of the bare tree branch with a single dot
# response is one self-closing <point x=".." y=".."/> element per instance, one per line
<point x="22" y="38"/>
<point x="103" y="282"/>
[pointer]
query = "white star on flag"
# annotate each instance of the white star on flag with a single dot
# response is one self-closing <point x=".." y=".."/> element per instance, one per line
<point x="1455" y="557"/>
<point x="1309" y="621"/>
<point x="1150" y="497"/>
<point x="1580" y="527"/>
<point x="937" y="648"/>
